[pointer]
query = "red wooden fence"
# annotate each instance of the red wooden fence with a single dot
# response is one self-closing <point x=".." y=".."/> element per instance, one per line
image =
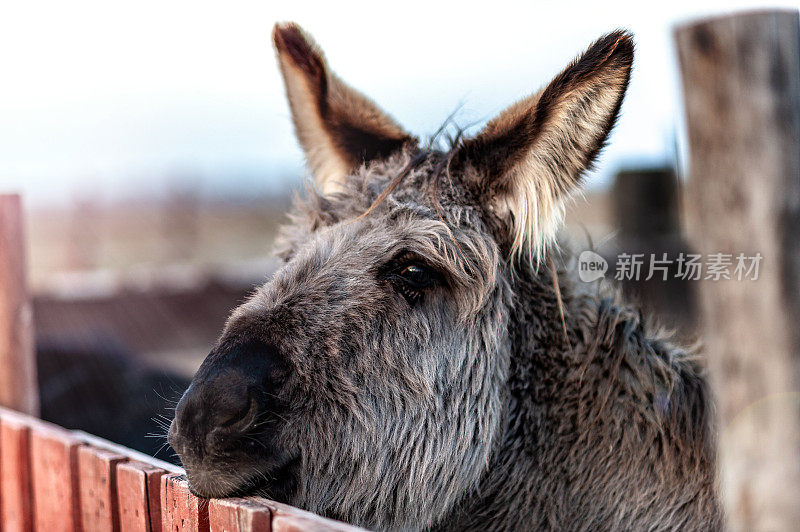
<point x="53" y="479"/>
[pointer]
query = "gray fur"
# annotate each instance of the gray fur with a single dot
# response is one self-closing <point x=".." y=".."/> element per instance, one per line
<point x="470" y="411"/>
<point x="474" y="408"/>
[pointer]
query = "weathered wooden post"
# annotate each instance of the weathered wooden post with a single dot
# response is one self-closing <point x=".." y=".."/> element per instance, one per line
<point x="18" y="387"/>
<point x="741" y="82"/>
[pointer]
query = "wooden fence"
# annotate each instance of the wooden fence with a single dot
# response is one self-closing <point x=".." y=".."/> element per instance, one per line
<point x="54" y="480"/>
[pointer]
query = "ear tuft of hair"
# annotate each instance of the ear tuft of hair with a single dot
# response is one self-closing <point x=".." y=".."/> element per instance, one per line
<point x="532" y="157"/>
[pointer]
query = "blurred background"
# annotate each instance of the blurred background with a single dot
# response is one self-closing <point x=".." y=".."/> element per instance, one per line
<point x="153" y="147"/>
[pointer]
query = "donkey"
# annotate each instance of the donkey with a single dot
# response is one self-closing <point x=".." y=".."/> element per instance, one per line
<point x="424" y="359"/>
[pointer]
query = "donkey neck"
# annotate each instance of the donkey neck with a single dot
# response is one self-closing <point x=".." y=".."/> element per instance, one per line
<point x="600" y="413"/>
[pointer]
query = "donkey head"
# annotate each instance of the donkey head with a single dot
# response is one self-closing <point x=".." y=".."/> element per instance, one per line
<point x="367" y="379"/>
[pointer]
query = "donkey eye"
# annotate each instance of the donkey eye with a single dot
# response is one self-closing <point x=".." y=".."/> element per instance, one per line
<point x="417" y="276"/>
<point x="411" y="280"/>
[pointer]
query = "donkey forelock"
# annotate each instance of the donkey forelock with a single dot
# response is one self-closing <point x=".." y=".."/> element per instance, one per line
<point x="417" y="364"/>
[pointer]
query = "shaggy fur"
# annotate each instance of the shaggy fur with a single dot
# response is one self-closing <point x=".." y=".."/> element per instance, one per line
<point x="467" y="404"/>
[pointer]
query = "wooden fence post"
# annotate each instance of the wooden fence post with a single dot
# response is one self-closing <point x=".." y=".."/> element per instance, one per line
<point x="18" y="386"/>
<point x="741" y="83"/>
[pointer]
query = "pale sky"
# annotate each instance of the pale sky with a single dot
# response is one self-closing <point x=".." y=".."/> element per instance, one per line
<point x="124" y="98"/>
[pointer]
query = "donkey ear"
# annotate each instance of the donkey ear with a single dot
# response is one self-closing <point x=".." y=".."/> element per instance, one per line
<point x="530" y="157"/>
<point x="338" y="127"/>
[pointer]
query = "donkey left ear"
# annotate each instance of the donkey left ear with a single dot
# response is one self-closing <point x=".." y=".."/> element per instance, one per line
<point x="337" y="126"/>
<point x="529" y="158"/>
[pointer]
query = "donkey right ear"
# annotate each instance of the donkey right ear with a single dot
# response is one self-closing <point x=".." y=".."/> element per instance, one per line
<point x="532" y="156"/>
<point x="338" y="128"/>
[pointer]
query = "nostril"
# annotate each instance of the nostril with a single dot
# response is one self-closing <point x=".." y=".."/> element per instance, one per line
<point x="226" y="436"/>
<point x="241" y="419"/>
<point x="227" y="398"/>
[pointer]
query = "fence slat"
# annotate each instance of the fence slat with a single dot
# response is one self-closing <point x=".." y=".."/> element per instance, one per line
<point x="139" y="497"/>
<point x="287" y="518"/>
<point x="180" y="510"/>
<point x="18" y="387"/>
<point x="98" y="488"/>
<point x="238" y="515"/>
<point x="294" y="523"/>
<point x="54" y="478"/>
<point x="15" y="483"/>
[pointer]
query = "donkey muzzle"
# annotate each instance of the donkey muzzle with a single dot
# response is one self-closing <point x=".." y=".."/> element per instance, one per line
<point x="220" y="417"/>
